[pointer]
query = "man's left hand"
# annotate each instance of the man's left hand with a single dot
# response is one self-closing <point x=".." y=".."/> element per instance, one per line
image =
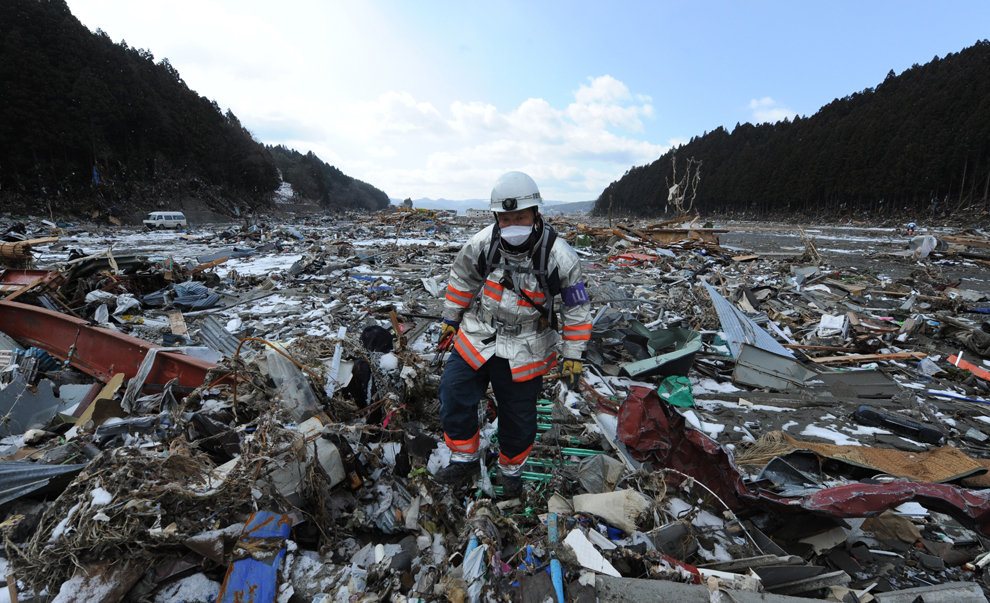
<point x="570" y="373"/>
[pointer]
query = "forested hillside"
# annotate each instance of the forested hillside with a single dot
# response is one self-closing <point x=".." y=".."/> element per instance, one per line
<point x="918" y="144"/>
<point x="87" y="123"/>
<point x="315" y="180"/>
<point x="86" y="120"/>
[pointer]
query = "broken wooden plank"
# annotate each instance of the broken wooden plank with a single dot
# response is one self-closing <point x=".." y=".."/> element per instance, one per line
<point x="848" y="287"/>
<point x="969" y="241"/>
<point x="815" y="348"/>
<point x="207" y="266"/>
<point x="178" y="323"/>
<point x="745" y="258"/>
<point x="102" y="399"/>
<point x="400" y="339"/>
<point x="24" y="289"/>
<point x="870" y="357"/>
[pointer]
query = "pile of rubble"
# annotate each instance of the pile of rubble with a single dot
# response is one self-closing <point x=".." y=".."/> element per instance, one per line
<point x="250" y="413"/>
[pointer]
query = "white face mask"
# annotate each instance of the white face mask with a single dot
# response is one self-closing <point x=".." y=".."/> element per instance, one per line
<point x="516" y="235"/>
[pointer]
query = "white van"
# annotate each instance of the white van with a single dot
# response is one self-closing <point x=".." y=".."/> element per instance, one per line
<point x="165" y="219"/>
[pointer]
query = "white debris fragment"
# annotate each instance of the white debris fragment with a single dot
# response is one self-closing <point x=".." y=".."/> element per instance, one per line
<point x="439" y="459"/>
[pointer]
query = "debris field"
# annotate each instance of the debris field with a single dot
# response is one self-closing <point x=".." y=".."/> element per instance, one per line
<point x="249" y="412"/>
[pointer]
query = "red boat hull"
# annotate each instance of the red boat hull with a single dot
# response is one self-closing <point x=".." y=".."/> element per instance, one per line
<point x="98" y="352"/>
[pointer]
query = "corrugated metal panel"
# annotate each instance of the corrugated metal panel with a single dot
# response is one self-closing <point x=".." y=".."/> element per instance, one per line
<point x="7" y="343"/>
<point x="196" y="302"/>
<point x="190" y="288"/>
<point x="217" y="337"/>
<point x="24" y="407"/>
<point x="19" y="478"/>
<point x="761" y="368"/>
<point x="868" y="384"/>
<point x="153" y="300"/>
<point x="740" y="329"/>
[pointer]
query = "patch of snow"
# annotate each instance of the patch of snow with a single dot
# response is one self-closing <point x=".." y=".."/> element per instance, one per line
<point x="865" y="430"/>
<point x="706" y="519"/>
<point x="721" y="554"/>
<point x="712" y="429"/>
<point x="708" y="385"/>
<point x="194" y="589"/>
<point x="706" y="404"/>
<point x="100" y="497"/>
<point x="677" y="506"/>
<point x="61" y="527"/>
<point x="81" y="587"/>
<point x="946" y="419"/>
<point x="830" y="434"/>
<point x="257" y="266"/>
<point x="402" y="241"/>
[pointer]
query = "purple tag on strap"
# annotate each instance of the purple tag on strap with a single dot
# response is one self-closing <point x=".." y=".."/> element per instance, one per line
<point x="574" y="295"/>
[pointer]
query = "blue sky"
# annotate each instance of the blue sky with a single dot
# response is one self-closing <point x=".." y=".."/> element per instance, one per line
<point x="436" y="99"/>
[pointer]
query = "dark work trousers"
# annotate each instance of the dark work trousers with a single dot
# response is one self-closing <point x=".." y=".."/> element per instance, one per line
<point x="461" y="389"/>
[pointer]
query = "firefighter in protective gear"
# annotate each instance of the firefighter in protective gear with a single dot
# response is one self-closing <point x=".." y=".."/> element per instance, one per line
<point x="501" y="302"/>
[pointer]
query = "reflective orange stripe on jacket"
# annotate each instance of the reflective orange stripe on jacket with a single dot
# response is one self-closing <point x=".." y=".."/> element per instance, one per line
<point x="494" y="290"/>
<point x="468" y="351"/>
<point x="536" y="296"/>
<point x="461" y="298"/>
<point x="578" y="332"/>
<point x="535" y="369"/>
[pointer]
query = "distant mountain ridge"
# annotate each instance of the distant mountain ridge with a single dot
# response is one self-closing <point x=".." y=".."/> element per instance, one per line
<point x="315" y="180"/>
<point x="463" y="205"/>
<point x="916" y="145"/>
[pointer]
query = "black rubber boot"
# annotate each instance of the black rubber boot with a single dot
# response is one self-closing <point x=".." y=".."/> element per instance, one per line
<point x="512" y="487"/>
<point x="455" y="472"/>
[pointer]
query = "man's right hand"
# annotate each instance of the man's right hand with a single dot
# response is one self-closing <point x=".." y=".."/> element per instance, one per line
<point x="448" y="330"/>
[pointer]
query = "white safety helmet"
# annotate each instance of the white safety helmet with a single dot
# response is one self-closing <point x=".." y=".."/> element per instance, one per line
<point x="514" y="190"/>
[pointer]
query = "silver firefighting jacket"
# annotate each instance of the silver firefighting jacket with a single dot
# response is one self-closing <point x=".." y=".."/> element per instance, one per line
<point x="496" y="320"/>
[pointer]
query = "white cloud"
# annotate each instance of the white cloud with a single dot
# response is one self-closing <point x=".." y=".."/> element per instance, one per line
<point x="384" y="108"/>
<point x="383" y="152"/>
<point x="602" y="89"/>
<point x="409" y="147"/>
<point x="393" y="114"/>
<point x="767" y="110"/>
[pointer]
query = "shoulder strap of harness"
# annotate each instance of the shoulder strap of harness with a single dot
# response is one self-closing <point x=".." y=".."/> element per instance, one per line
<point x="549" y="284"/>
<point x="540" y="256"/>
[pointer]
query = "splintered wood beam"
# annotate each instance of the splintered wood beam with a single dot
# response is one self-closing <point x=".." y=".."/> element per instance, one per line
<point x="870" y="358"/>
